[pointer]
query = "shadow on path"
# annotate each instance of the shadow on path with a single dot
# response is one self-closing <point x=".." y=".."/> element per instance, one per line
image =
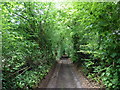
<point x="64" y="76"/>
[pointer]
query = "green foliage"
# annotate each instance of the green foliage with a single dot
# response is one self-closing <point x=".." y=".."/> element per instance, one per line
<point x="28" y="46"/>
<point x="35" y="34"/>
<point x="98" y="43"/>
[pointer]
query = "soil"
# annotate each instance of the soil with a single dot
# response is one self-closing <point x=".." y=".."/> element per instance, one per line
<point x="65" y="75"/>
<point x="85" y="82"/>
<point x="47" y="78"/>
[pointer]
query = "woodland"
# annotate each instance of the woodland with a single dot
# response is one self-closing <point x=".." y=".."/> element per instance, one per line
<point x="36" y="34"/>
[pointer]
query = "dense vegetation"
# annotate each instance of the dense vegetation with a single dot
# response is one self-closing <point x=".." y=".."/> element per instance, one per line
<point x="28" y="46"/>
<point x="96" y="42"/>
<point x="36" y="34"/>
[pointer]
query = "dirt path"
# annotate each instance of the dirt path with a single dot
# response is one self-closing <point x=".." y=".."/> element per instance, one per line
<point x="64" y="76"/>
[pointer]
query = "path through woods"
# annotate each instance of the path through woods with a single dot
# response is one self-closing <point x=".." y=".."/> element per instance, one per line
<point x="35" y="34"/>
<point x="64" y="76"/>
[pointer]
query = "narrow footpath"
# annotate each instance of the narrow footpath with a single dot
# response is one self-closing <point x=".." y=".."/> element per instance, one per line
<point x="64" y="76"/>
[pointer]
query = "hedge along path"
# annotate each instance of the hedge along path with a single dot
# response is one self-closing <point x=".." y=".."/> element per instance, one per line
<point x="36" y="34"/>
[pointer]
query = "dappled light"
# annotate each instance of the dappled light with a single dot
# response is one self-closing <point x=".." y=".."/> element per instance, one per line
<point x="43" y="39"/>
